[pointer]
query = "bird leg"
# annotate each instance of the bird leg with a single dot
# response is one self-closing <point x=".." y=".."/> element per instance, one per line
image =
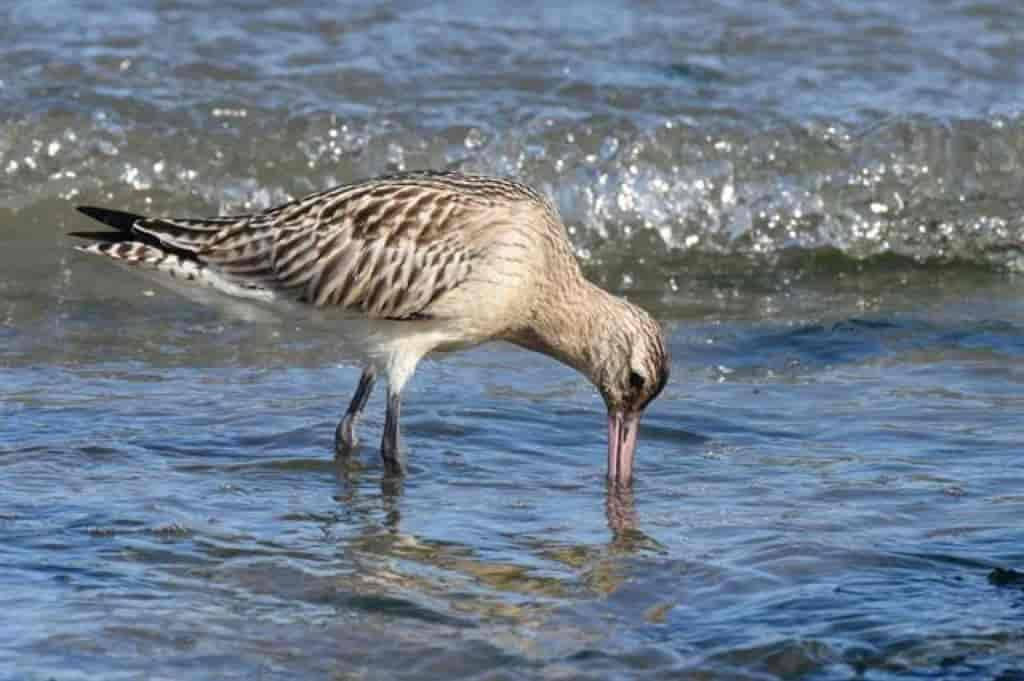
<point x="345" y="439"/>
<point x="393" y="464"/>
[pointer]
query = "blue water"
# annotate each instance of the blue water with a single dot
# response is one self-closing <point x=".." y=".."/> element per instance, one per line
<point x="820" y="201"/>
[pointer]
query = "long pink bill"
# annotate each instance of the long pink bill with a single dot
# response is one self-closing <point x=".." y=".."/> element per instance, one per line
<point x="622" y="430"/>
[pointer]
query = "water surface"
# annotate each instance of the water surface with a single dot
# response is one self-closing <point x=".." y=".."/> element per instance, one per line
<point x="820" y="200"/>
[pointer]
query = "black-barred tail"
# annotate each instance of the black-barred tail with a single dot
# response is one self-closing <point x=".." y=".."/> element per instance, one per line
<point x="133" y="247"/>
<point x="136" y="243"/>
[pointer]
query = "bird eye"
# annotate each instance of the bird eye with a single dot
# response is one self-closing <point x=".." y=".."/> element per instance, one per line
<point x="636" y="381"/>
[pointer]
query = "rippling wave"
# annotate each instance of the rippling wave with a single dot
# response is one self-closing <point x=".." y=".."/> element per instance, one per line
<point x="644" y="158"/>
<point x="914" y="187"/>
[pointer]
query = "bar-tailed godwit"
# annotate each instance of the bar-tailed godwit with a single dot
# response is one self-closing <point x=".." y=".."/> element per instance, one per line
<point x="429" y="262"/>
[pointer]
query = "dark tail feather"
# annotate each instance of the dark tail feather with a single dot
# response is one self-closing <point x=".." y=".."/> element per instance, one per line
<point x="118" y="219"/>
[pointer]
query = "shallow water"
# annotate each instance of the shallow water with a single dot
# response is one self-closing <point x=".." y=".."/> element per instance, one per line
<point x="821" y="201"/>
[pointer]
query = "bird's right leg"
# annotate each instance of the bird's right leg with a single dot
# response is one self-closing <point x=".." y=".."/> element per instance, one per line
<point x="389" y="448"/>
<point x="400" y="367"/>
<point x="345" y="439"/>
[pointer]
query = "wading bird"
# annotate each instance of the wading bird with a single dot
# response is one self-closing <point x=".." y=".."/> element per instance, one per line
<point x="419" y="262"/>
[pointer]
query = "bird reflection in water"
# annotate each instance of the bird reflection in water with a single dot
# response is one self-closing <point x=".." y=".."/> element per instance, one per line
<point x="620" y="510"/>
<point x="619" y="504"/>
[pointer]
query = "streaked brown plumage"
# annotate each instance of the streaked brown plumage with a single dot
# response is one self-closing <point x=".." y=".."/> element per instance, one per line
<point x="435" y="262"/>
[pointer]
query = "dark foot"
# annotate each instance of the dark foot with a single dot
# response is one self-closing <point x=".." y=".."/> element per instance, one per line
<point x="394" y="465"/>
<point x="345" y="439"/>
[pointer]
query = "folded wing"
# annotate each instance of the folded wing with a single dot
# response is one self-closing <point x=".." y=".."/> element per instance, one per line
<point x="388" y="248"/>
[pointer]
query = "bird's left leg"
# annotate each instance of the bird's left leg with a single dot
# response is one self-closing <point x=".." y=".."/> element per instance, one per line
<point x="345" y="439"/>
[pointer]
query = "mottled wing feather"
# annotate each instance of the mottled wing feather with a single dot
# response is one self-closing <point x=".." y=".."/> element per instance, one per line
<point x="388" y="251"/>
<point x="388" y="247"/>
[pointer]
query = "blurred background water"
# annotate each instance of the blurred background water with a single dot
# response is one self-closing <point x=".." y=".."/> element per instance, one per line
<point x="821" y="200"/>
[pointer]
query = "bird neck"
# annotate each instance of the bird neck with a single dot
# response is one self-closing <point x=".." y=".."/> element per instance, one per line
<point x="577" y="325"/>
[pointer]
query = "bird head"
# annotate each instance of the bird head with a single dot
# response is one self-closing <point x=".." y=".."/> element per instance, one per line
<point x="630" y="375"/>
